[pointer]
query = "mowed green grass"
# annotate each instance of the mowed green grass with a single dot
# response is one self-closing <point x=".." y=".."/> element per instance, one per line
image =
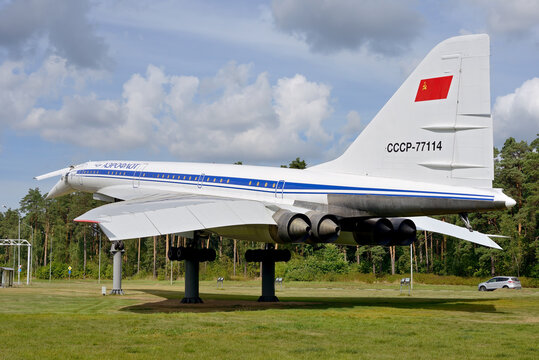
<point x="72" y="320"/>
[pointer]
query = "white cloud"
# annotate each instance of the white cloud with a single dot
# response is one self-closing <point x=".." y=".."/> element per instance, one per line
<point x="224" y="117"/>
<point x="301" y="106"/>
<point x="244" y="24"/>
<point x="515" y="18"/>
<point x="62" y="25"/>
<point x="251" y="122"/>
<point x="103" y="123"/>
<point x="352" y="128"/>
<point x="345" y="135"/>
<point x="20" y="91"/>
<point x="82" y="120"/>
<point x="353" y="125"/>
<point x="183" y="90"/>
<point x="382" y="26"/>
<point x="517" y="114"/>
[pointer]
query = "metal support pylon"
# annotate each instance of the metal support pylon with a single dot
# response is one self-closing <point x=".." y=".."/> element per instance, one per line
<point x="268" y="279"/>
<point x="192" y="269"/>
<point x="117" y="249"/>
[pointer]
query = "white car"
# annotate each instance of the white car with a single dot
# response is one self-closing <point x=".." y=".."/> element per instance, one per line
<point x="500" y="282"/>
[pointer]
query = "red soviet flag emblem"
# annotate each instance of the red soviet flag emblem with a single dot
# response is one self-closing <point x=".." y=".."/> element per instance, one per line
<point x="434" y="88"/>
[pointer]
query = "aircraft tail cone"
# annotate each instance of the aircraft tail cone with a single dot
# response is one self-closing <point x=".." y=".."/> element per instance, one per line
<point x="510" y="202"/>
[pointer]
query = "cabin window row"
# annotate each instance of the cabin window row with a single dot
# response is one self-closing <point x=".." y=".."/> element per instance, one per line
<point x="207" y="179"/>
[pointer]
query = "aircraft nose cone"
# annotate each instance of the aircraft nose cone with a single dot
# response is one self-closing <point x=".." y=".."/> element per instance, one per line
<point x="510" y="202"/>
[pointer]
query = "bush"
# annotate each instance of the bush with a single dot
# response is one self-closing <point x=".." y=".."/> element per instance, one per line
<point x="535" y="271"/>
<point x="300" y="270"/>
<point x="221" y="267"/>
<point x="92" y="270"/>
<point x="325" y="263"/>
<point x="529" y="282"/>
<point x="57" y="270"/>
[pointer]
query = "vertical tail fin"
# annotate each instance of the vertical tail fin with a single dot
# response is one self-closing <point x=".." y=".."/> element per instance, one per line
<point x="437" y="127"/>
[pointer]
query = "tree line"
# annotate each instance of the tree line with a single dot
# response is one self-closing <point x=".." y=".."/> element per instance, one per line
<point x="59" y="242"/>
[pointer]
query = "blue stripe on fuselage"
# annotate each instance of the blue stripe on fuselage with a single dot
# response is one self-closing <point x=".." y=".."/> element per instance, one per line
<point x="268" y="186"/>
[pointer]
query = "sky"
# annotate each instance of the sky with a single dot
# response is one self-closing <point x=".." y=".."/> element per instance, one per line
<point x="261" y="82"/>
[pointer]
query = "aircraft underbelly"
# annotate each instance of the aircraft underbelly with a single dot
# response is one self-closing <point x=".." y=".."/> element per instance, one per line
<point x="379" y="205"/>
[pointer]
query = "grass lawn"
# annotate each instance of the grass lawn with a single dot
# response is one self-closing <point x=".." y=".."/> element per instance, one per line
<point x="314" y="320"/>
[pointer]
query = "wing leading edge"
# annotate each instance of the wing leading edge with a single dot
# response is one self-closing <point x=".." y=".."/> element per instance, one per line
<point x="169" y="214"/>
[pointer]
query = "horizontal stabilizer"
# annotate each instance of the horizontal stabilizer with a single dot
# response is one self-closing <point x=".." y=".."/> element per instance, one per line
<point x="429" y="224"/>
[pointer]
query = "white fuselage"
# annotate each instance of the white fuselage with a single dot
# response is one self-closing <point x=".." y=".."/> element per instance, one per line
<point x="128" y="179"/>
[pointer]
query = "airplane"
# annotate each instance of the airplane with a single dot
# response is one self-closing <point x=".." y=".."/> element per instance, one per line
<point x="428" y="151"/>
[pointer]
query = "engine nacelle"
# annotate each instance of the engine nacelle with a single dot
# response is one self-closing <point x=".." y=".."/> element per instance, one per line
<point x="385" y="232"/>
<point x="291" y="227"/>
<point x="375" y="231"/>
<point x="404" y="231"/>
<point x="325" y="228"/>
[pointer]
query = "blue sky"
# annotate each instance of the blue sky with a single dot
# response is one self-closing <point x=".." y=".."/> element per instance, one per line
<point x="261" y="82"/>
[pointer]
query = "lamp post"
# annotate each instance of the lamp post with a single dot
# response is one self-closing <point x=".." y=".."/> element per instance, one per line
<point x="411" y="269"/>
<point x="99" y="271"/>
<point x="50" y="262"/>
<point x="19" y="252"/>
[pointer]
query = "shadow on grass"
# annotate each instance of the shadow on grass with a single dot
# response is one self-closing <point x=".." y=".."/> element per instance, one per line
<point x="220" y="303"/>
